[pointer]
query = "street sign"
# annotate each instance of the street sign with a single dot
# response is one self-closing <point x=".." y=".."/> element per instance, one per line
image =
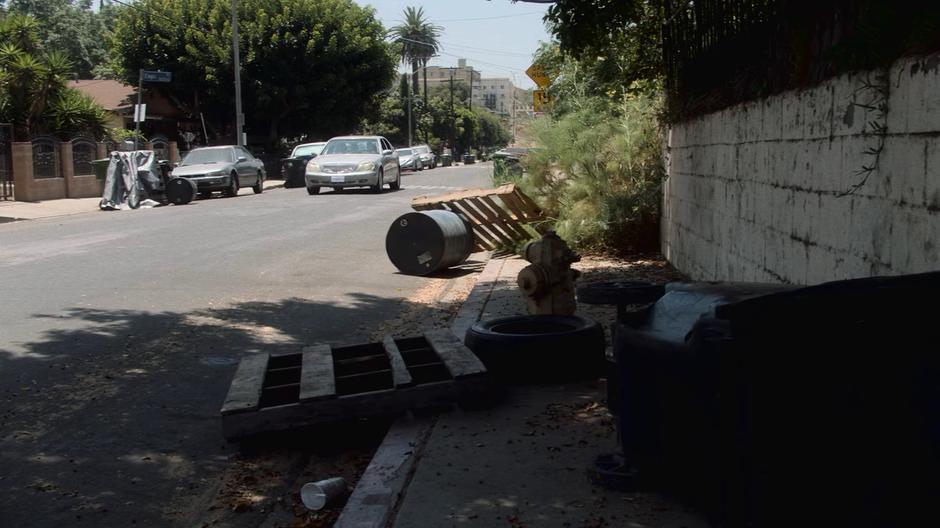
<point x="538" y="75"/>
<point x="156" y="76"/>
<point x="541" y="101"/>
<point x="140" y="113"/>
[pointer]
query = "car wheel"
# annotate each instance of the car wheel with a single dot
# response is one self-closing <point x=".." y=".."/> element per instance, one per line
<point x="380" y="182"/>
<point x="259" y="186"/>
<point x="420" y="165"/>
<point x="313" y="190"/>
<point x="232" y="189"/>
<point x="395" y="185"/>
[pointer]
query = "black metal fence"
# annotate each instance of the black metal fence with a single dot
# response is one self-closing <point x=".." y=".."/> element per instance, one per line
<point x="721" y="52"/>
<point x="46" y="157"/>
<point x="84" y="151"/>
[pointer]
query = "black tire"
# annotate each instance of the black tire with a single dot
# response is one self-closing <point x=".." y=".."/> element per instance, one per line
<point x="259" y="186"/>
<point x="620" y="292"/>
<point x="377" y="188"/>
<point x="232" y="189"/>
<point x="313" y="190"/>
<point x="539" y="348"/>
<point x="395" y="185"/>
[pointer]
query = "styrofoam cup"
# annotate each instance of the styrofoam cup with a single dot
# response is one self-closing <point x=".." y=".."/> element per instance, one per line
<point x="316" y="495"/>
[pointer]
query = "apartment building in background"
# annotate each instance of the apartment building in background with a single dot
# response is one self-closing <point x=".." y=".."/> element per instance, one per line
<point x="496" y="94"/>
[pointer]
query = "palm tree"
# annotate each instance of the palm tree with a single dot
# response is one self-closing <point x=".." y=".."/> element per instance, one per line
<point x="417" y="39"/>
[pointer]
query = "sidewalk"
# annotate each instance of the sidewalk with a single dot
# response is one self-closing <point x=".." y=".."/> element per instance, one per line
<point x="520" y="464"/>
<point x="11" y="211"/>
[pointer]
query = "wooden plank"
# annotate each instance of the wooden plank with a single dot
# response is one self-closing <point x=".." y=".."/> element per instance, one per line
<point x="500" y="213"/>
<point x="460" y="361"/>
<point x="531" y="207"/>
<point x="421" y="201"/>
<point x="517" y="204"/>
<point x="382" y="403"/>
<point x="245" y="391"/>
<point x="497" y="221"/>
<point x="482" y="222"/>
<point x="316" y="375"/>
<point x="399" y="370"/>
<point x="512" y="203"/>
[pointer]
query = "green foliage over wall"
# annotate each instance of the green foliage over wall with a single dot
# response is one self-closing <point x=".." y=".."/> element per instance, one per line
<point x="598" y="175"/>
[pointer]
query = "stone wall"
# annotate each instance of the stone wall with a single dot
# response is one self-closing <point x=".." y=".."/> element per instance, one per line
<point x="775" y="190"/>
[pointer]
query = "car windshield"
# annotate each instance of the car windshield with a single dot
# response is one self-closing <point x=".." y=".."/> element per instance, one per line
<point x="351" y="146"/>
<point x="307" y="150"/>
<point x="404" y="152"/>
<point x="212" y="155"/>
<point x="422" y="150"/>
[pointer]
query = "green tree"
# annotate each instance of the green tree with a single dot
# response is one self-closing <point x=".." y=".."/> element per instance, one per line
<point x="34" y="93"/>
<point x="309" y="67"/>
<point x="619" y="41"/>
<point x="71" y="27"/>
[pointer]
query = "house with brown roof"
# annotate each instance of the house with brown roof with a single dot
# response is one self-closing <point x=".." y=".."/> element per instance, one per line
<point x="163" y="112"/>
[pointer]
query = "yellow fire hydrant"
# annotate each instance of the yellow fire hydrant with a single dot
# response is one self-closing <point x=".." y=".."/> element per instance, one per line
<point x="548" y="282"/>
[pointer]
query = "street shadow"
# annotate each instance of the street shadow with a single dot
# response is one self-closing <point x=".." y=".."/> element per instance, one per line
<point x="455" y="272"/>
<point x="112" y="418"/>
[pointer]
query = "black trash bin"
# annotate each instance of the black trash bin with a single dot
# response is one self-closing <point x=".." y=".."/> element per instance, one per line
<point x="808" y="406"/>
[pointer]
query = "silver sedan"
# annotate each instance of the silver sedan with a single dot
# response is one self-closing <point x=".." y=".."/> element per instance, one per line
<point x="354" y="161"/>
<point x="226" y="169"/>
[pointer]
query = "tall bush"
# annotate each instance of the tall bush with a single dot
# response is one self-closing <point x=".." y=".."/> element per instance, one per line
<point x="599" y="173"/>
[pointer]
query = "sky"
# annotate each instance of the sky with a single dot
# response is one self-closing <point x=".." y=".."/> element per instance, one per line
<point x="496" y="37"/>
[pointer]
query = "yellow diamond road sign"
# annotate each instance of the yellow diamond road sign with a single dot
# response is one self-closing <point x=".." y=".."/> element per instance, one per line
<point x="538" y="75"/>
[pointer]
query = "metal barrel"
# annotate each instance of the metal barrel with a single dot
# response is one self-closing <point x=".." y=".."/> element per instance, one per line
<point x="423" y="242"/>
<point x="180" y="191"/>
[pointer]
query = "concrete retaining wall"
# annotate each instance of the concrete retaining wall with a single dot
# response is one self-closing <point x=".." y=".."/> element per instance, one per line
<point x="760" y="191"/>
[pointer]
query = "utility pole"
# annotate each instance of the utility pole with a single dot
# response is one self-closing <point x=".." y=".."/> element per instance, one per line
<point x="513" y="115"/>
<point x="409" y="112"/>
<point x="140" y="100"/>
<point x="453" y="118"/>
<point x="239" y="117"/>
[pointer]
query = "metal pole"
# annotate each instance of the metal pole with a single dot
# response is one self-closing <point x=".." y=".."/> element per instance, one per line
<point x="140" y="101"/>
<point x="205" y="134"/>
<point x="409" y="112"/>
<point x="239" y="118"/>
<point x="453" y="118"/>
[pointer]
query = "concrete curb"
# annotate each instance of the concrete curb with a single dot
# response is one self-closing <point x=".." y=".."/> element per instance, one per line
<point x="472" y="308"/>
<point x="380" y="490"/>
<point x="376" y="498"/>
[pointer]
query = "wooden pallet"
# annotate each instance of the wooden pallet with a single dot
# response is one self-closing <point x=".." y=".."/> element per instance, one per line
<point x="498" y="215"/>
<point x="325" y="384"/>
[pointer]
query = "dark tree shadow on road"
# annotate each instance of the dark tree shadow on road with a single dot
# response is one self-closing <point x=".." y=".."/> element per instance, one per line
<point x="112" y="419"/>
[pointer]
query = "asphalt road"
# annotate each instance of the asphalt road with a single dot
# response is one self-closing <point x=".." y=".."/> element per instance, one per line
<point x="120" y="331"/>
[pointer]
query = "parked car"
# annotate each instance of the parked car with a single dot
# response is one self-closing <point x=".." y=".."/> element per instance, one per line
<point x="426" y="158"/>
<point x="407" y="159"/>
<point x="293" y="167"/>
<point x="354" y="161"/>
<point x="225" y="169"/>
